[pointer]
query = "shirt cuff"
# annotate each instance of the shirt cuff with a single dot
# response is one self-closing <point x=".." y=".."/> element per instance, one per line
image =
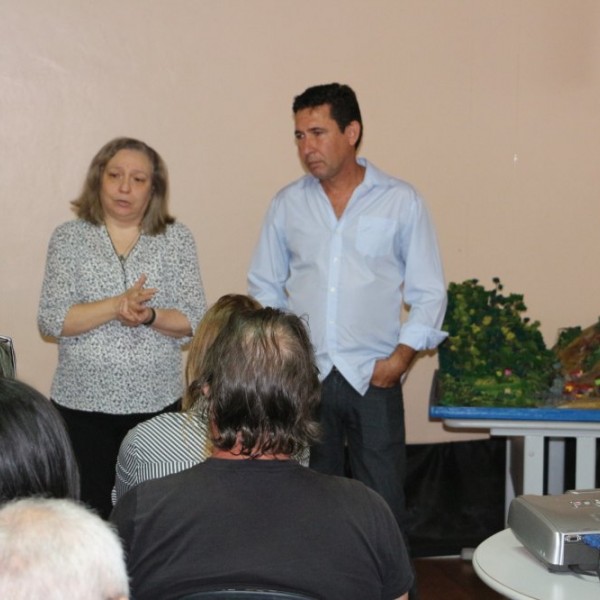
<point x="420" y="337"/>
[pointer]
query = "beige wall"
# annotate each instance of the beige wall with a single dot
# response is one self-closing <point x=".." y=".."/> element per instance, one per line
<point x="490" y="107"/>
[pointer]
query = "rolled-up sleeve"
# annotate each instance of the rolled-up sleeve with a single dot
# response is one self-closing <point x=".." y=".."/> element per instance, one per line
<point x="57" y="294"/>
<point x="186" y="291"/>
<point x="424" y="284"/>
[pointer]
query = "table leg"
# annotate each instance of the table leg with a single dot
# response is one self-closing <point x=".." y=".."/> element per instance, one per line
<point x="556" y="465"/>
<point x="585" y="468"/>
<point x="509" y="485"/>
<point x="533" y="465"/>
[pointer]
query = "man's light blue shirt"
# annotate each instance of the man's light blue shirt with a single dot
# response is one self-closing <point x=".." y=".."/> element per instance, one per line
<point x="351" y="276"/>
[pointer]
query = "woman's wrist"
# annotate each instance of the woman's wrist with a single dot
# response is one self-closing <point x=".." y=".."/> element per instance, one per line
<point x="151" y="318"/>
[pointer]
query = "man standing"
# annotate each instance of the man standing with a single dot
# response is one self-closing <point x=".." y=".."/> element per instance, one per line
<point x="347" y="245"/>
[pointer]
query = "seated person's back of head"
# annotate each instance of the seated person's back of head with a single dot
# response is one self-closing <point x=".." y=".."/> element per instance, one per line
<point x="36" y="457"/>
<point x="250" y="515"/>
<point x="172" y="442"/>
<point x="55" y="549"/>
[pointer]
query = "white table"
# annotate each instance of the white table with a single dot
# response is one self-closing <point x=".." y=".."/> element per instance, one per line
<point x="503" y="564"/>
<point x="527" y="476"/>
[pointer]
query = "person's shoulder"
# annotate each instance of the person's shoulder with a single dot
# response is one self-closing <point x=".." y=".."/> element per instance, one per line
<point x="379" y="178"/>
<point x="178" y="230"/>
<point x="75" y="225"/>
<point x="166" y="440"/>
<point x="144" y="493"/>
<point x="163" y="425"/>
<point x="176" y="235"/>
<point x="353" y="492"/>
<point x="343" y="484"/>
<point x="293" y="198"/>
<point x="293" y="189"/>
<point x="174" y="485"/>
<point x="73" y="229"/>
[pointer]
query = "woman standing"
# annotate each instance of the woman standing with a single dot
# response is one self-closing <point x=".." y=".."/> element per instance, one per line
<point x="122" y="292"/>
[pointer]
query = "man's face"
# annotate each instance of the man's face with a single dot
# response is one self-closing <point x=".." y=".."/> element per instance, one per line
<point x="323" y="149"/>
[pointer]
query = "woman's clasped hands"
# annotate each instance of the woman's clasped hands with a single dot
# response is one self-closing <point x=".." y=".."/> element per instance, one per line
<point x="132" y="308"/>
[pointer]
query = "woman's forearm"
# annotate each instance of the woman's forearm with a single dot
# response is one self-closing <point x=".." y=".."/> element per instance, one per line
<point x="82" y="318"/>
<point x="171" y="322"/>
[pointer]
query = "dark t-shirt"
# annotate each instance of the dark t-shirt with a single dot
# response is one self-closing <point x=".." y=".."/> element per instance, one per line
<point x="255" y="522"/>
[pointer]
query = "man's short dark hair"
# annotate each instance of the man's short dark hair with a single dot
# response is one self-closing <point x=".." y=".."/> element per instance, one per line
<point x="341" y="100"/>
<point x="260" y="382"/>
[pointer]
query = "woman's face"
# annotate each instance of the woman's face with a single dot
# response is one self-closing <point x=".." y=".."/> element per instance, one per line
<point x="126" y="187"/>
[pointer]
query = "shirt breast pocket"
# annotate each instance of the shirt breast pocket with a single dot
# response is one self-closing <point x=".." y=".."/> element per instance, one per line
<point x="375" y="236"/>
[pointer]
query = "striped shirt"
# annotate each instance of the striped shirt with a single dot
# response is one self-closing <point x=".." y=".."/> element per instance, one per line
<point x="165" y="444"/>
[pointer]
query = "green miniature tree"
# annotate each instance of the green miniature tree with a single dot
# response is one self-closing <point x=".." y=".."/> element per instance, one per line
<point x="493" y="355"/>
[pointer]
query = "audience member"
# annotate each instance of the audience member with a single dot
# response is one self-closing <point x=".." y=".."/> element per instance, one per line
<point x="172" y="442"/>
<point x="58" y="550"/>
<point x="249" y="515"/>
<point x="36" y="457"/>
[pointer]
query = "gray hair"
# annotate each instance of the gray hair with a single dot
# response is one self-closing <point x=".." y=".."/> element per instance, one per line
<point x="58" y="550"/>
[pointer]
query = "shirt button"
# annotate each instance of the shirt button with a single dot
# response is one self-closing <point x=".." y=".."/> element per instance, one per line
<point x="332" y="289"/>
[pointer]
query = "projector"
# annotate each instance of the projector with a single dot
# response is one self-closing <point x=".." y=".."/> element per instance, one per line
<point x="553" y="528"/>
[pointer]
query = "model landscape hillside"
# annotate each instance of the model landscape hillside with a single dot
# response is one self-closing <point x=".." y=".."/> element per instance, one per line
<point x="496" y="356"/>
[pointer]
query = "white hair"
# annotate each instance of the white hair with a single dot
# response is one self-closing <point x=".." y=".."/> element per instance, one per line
<point x="58" y="550"/>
